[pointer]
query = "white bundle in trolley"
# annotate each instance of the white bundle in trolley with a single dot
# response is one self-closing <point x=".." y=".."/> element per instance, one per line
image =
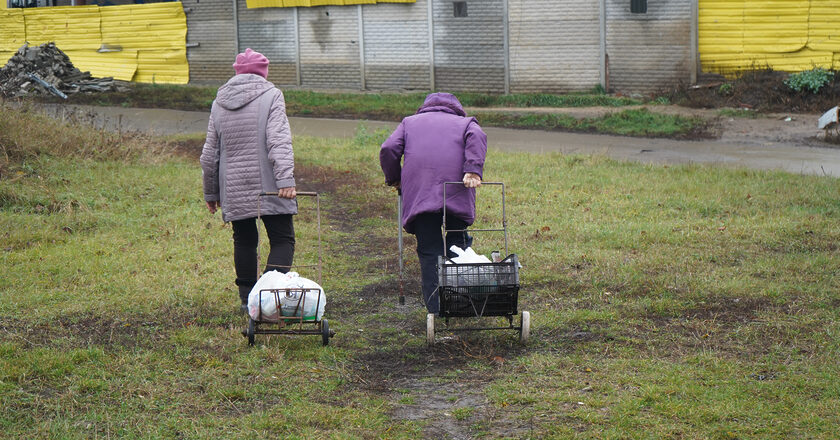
<point x="472" y="275"/>
<point x="291" y="293"/>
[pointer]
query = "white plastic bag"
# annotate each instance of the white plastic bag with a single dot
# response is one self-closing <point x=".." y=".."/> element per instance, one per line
<point x="269" y="280"/>
<point x="290" y="301"/>
<point x="291" y="304"/>
<point x="467" y="255"/>
<point x="472" y="275"/>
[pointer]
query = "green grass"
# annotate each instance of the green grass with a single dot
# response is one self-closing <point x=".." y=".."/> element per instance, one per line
<point x="636" y="122"/>
<point x="392" y="106"/>
<point x="545" y="100"/>
<point x="395" y="106"/>
<point x="462" y="413"/>
<point x="666" y="301"/>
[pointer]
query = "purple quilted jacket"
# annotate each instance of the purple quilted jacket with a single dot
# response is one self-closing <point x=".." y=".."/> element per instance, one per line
<point x="248" y="149"/>
<point x="438" y="144"/>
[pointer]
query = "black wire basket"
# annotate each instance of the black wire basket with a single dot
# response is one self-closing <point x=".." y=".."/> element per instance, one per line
<point x="478" y="289"/>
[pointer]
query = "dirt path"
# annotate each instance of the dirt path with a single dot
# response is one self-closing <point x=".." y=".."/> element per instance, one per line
<point x="770" y="142"/>
<point x="444" y="386"/>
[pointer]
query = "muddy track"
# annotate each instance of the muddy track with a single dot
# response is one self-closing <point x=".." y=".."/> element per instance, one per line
<point x="442" y="386"/>
<point x="137" y="330"/>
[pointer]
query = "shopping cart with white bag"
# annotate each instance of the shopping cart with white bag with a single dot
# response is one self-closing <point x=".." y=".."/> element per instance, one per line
<point x="298" y="307"/>
<point x="475" y="290"/>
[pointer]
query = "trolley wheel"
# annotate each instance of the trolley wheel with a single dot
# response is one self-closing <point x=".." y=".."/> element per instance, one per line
<point x="430" y="328"/>
<point x="325" y="332"/>
<point x="525" y="328"/>
<point x="252" y="329"/>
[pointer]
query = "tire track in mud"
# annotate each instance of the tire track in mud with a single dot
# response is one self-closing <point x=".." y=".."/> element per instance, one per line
<point x="442" y="387"/>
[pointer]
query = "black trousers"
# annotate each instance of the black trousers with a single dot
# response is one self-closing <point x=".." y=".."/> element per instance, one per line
<point x="427" y="229"/>
<point x="281" y="237"/>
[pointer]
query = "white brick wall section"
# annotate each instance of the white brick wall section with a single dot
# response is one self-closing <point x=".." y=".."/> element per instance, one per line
<point x="396" y="46"/>
<point x="649" y="52"/>
<point x="554" y="45"/>
<point x="648" y="34"/>
<point x="656" y="10"/>
<point x="570" y="10"/>
<point x="329" y="35"/>
<point x="473" y="41"/>
<point x="329" y="47"/>
<point x="210" y="25"/>
<point x="396" y="12"/>
<point x="396" y="42"/>
<point x="270" y="31"/>
<point x="475" y="8"/>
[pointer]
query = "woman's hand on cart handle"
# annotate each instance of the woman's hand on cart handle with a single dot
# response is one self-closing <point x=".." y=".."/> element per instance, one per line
<point x="286" y="193"/>
<point x="472" y="180"/>
<point x="212" y="206"/>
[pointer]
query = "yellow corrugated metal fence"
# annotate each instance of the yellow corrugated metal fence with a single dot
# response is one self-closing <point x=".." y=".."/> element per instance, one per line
<point x="12" y="32"/>
<point x="144" y="43"/>
<point x="786" y="35"/>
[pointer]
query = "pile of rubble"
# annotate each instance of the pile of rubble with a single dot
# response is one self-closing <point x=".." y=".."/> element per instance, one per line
<point x="45" y="69"/>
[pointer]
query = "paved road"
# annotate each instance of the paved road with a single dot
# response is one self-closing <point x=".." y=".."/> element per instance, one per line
<point x="762" y="154"/>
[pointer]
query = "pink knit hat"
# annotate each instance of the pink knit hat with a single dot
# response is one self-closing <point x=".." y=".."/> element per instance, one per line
<point x="251" y="62"/>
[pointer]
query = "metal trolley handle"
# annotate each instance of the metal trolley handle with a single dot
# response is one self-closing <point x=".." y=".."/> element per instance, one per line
<point x="318" y="211"/>
<point x="504" y="218"/>
<point x="400" y="229"/>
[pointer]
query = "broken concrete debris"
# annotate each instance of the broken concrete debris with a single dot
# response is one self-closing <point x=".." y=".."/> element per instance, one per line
<point x="829" y="119"/>
<point x="45" y="69"/>
<point x="50" y="88"/>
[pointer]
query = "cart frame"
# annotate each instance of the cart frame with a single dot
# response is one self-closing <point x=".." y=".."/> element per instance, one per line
<point x="508" y="266"/>
<point x="291" y="325"/>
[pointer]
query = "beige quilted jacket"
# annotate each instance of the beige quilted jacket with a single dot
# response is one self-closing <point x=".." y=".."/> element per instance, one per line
<point x="248" y="149"/>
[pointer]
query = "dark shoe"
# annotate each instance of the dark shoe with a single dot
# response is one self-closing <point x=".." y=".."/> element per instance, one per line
<point x="243" y="299"/>
<point x="243" y="294"/>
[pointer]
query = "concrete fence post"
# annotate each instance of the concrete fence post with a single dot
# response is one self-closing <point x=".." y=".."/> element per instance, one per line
<point x="431" y="45"/>
<point x="361" y="19"/>
<point x="235" y="27"/>
<point x="297" y="46"/>
<point x="506" y="26"/>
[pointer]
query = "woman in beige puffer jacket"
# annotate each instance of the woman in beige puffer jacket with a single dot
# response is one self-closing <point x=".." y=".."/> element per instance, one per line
<point x="248" y="151"/>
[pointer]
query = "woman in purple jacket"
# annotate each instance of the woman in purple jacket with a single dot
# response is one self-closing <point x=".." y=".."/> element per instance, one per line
<point x="249" y="151"/>
<point x="438" y="144"/>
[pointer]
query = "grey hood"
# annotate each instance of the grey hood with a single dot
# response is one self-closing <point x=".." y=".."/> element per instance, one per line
<point x="241" y="90"/>
<point x="248" y="150"/>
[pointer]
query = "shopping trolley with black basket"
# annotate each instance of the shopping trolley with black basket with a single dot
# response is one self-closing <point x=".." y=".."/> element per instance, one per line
<point x="297" y="323"/>
<point x="476" y="290"/>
